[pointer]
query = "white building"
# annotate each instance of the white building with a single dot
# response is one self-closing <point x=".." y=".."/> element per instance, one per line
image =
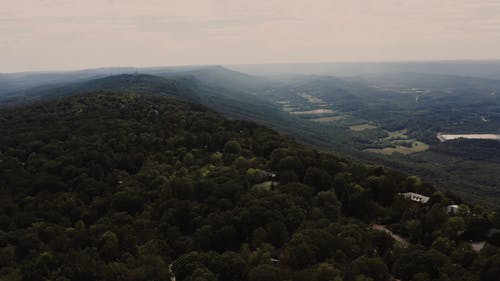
<point x="452" y="209"/>
<point x="455" y="209"/>
<point x="415" y="197"/>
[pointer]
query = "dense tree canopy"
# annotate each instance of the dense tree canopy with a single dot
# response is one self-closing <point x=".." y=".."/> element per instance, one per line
<point x="109" y="186"/>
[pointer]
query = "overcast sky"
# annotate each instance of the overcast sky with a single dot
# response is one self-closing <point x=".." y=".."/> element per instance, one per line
<point x="75" y="34"/>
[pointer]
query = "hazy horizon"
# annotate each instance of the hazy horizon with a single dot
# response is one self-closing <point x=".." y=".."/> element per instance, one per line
<point x="57" y="35"/>
<point x="251" y="65"/>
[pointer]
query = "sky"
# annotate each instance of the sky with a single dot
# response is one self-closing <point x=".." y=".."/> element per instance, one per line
<point x="76" y="34"/>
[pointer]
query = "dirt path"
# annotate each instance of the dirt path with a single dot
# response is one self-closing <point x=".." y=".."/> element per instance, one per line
<point x="396" y="237"/>
<point x="476" y="246"/>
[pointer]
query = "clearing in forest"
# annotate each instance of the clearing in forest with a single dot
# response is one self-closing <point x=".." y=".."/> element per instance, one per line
<point x="362" y="127"/>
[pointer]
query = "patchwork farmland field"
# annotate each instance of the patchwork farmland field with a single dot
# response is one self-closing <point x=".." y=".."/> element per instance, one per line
<point x="362" y="127"/>
<point x="447" y="137"/>
<point x="313" y="112"/>
<point x="328" y="119"/>
<point x="416" y="146"/>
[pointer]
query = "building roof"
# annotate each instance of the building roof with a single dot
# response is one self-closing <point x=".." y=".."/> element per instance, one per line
<point x="415" y="197"/>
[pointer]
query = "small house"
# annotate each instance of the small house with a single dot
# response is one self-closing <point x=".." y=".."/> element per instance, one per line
<point x="452" y="209"/>
<point x="455" y="209"/>
<point x="415" y="197"/>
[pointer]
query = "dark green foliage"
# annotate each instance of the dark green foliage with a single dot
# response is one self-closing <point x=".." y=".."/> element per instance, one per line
<point x="101" y="187"/>
<point x="265" y="272"/>
<point x="374" y="268"/>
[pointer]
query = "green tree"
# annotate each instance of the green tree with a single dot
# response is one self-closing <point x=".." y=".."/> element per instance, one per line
<point x="265" y="272"/>
<point x="232" y="147"/>
<point x="329" y="204"/>
<point x="326" y="272"/>
<point x="109" y="245"/>
<point x="454" y="227"/>
<point x="374" y="268"/>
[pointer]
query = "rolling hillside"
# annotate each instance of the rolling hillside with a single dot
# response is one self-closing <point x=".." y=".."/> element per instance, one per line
<point x="127" y="186"/>
<point x="390" y="119"/>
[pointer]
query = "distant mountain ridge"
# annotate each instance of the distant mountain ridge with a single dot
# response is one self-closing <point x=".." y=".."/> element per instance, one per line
<point x="11" y="83"/>
<point x="380" y="105"/>
<point x="140" y="83"/>
<point x="470" y="68"/>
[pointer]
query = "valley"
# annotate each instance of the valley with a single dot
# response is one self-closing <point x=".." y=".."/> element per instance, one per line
<point x="376" y="119"/>
<point x="191" y="185"/>
<point x="391" y="119"/>
<point x="249" y="140"/>
<point x="379" y="141"/>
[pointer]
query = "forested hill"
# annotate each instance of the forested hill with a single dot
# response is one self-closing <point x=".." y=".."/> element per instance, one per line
<point x="179" y="87"/>
<point x="228" y="92"/>
<point x="108" y="186"/>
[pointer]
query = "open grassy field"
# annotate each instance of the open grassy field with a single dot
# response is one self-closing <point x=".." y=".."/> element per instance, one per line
<point x="401" y="134"/>
<point x="313" y="112"/>
<point x="311" y="98"/>
<point x="444" y="137"/>
<point x="288" y="108"/>
<point x="328" y="119"/>
<point x="362" y="127"/>
<point x="417" y="146"/>
<point x="395" y="144"/>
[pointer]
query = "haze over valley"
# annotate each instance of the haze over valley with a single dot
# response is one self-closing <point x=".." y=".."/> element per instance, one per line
<point x="397" y="118"/>
<point x="325" y="140"/>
